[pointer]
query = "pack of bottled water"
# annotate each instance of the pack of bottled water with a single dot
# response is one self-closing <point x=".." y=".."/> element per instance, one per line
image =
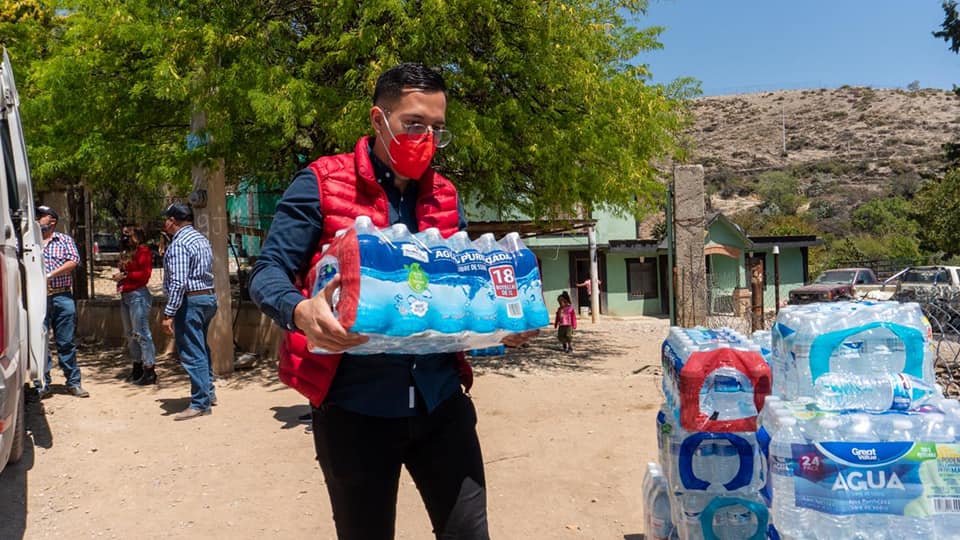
<point x="857" y="438"/>
<point x="714" y="380"/>
<point x="657" y="520"/>
<point x="714" y="384"/>
<point x="715" y="462"/>
<point x="862" y="338"/>
<point x="713" y="480"/>
<point x="421" y="293"/>
<point x="855" y="474"/>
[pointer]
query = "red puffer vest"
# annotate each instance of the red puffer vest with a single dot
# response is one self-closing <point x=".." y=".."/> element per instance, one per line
<point x="348" y="188"/>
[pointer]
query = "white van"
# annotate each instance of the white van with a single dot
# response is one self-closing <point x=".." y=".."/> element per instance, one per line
<point x="23" y="288"/>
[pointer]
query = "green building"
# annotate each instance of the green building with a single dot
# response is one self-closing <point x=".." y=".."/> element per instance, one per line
<point x="633" y="271"/>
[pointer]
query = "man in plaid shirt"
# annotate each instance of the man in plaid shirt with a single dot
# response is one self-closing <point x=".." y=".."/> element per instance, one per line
<point x="60" y="257"/>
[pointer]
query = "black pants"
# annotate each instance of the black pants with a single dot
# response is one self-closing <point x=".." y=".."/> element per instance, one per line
<point x="361" y="458"/>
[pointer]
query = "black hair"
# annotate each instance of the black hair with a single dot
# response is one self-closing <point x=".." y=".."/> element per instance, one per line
<point x="392" y="82"/>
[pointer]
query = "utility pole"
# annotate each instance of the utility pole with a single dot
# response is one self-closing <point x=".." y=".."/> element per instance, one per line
<point x="209" y="201"/>
<point x="594" y="273"/>
<point x="783" y="130"/>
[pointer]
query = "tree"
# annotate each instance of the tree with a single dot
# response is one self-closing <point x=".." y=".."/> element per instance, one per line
<point x="937" y="206"/>
<point x="888" y="216"/>
<point x="781" y="190"/>
<point x="548" y="111"/>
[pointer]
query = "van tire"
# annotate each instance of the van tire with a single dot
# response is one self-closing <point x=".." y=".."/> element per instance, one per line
<point x="19" y="431"/>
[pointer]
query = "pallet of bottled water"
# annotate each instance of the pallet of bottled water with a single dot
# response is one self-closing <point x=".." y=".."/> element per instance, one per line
<point x="861" y="338"/>
<point x="712" y="480"/>
<point x="857" y="474"/>
<point x="714" y="380"/>
<point x="422" y="293"/>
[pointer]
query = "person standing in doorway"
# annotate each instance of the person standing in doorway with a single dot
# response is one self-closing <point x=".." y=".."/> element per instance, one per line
<point x="191" y="304"/>
<point x="135" y="303"/>
<point x="375" y="414"/>
<point x="60" y="257"/>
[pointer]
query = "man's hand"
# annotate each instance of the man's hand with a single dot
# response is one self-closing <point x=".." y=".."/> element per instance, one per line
<point x="315" y="319"/>
<point x="168" y="325"/>
<point x="118" y="276"/>
<point x="516" y="340"/>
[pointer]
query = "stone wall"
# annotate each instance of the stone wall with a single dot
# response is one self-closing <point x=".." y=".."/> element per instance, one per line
<point x="100" y="320"/>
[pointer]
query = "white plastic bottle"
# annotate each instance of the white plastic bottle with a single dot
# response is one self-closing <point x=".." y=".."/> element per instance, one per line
<point x="478" y="293"/>
<point x="529" y="283"/>
<point x="790" y="520"/>
<point x="447" y="314"/>
<point x="837" y="391"/>
<point x="503" y="278"/>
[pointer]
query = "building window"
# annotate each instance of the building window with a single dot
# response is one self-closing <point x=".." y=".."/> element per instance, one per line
<point x="642" y="278"/>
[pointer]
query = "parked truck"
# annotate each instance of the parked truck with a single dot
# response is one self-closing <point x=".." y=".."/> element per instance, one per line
<point x="928" y="283"/>
<point x="837" y="284"/>
<point x="23" y="287"/>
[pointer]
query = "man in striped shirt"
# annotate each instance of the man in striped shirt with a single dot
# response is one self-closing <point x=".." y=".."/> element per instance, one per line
<point x="191" y="304"/>
<point x="60" y="257"/>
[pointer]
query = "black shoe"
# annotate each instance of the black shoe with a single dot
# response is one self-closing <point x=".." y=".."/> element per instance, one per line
<point x="78" y="391"/>
<point x="136" y="373"/>
<point x="149" y="376"/>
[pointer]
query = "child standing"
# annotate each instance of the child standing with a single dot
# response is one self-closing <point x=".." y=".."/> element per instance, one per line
<point x="565" y="322"/>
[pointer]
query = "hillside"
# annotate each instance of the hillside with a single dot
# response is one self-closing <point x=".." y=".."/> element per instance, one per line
<point x="845" y="145"/>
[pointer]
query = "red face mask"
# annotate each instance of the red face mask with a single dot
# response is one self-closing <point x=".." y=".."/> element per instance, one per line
<point x="409" y="156"/>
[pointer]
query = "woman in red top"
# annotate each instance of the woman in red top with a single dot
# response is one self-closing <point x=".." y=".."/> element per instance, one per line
<point x="135" y="268"/>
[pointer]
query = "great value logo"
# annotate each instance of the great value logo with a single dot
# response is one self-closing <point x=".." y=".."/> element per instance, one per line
<point x="869" y="454"/>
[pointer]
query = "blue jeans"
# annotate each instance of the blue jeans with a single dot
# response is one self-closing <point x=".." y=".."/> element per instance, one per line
<point x="62" y="316"/>
<point x="135" y="314"/>
<point x="190" y="326"/>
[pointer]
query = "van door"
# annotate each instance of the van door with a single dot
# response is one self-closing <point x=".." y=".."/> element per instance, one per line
<point x="33" y="278"/>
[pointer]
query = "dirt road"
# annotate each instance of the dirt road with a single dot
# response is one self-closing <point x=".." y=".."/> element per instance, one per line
<point x="565" y="440"/>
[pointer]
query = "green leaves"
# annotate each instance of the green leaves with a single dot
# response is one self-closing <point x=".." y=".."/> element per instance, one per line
<point x="548" y="111"/>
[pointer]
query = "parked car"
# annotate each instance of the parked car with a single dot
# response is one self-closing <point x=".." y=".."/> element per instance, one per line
<point x="929" y="281"/>
<point x="106" y="248"/>
<point x="23" y="287"/>
<point x="836" y="284"/>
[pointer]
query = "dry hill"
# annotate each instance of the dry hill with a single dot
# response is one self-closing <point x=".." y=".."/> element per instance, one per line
<point x="846" y="145"/>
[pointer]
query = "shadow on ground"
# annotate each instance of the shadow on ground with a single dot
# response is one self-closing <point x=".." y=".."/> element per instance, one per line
<point x="290" y="416"/>
<point x="544" y="352"/>
<point x="110" y="365"/>
<point x="13" y="479"/>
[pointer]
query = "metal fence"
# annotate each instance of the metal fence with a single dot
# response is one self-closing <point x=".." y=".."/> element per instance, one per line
<point x="942" y="308"/>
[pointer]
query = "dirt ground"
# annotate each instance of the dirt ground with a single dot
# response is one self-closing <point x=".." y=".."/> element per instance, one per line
<point x="565" y="440"/>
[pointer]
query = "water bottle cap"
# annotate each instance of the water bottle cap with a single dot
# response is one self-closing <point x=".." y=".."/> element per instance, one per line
<point x="363" y="221"/>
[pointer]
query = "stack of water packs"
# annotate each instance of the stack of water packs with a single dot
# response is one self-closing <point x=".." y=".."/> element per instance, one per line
<point x="858" y="441"/>
<point x="421" y="293"/>
<point x="707" y="483"/>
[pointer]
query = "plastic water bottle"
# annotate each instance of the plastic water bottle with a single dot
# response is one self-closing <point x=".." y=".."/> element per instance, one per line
<point x="503" y="278"/>
<point x="376" y="290"/>
<point x="656" y="501"/>
<point x="410" y="282"/>
<point x="727" y="394"/>
<point x="447" y="313"/>
<point x="529" y="283"/>
<point x="877" y="393"/>
<point x="790" y="520"/>
<point x="475" y="282"/>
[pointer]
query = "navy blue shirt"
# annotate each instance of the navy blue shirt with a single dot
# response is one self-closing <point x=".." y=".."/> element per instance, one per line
<point x="384" y="385"/>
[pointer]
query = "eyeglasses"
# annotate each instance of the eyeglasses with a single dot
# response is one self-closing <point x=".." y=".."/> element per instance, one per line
<point x="418" y="132"/>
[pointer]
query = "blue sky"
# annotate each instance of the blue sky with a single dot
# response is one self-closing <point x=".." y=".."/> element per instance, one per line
<point x="739" y="46"/>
